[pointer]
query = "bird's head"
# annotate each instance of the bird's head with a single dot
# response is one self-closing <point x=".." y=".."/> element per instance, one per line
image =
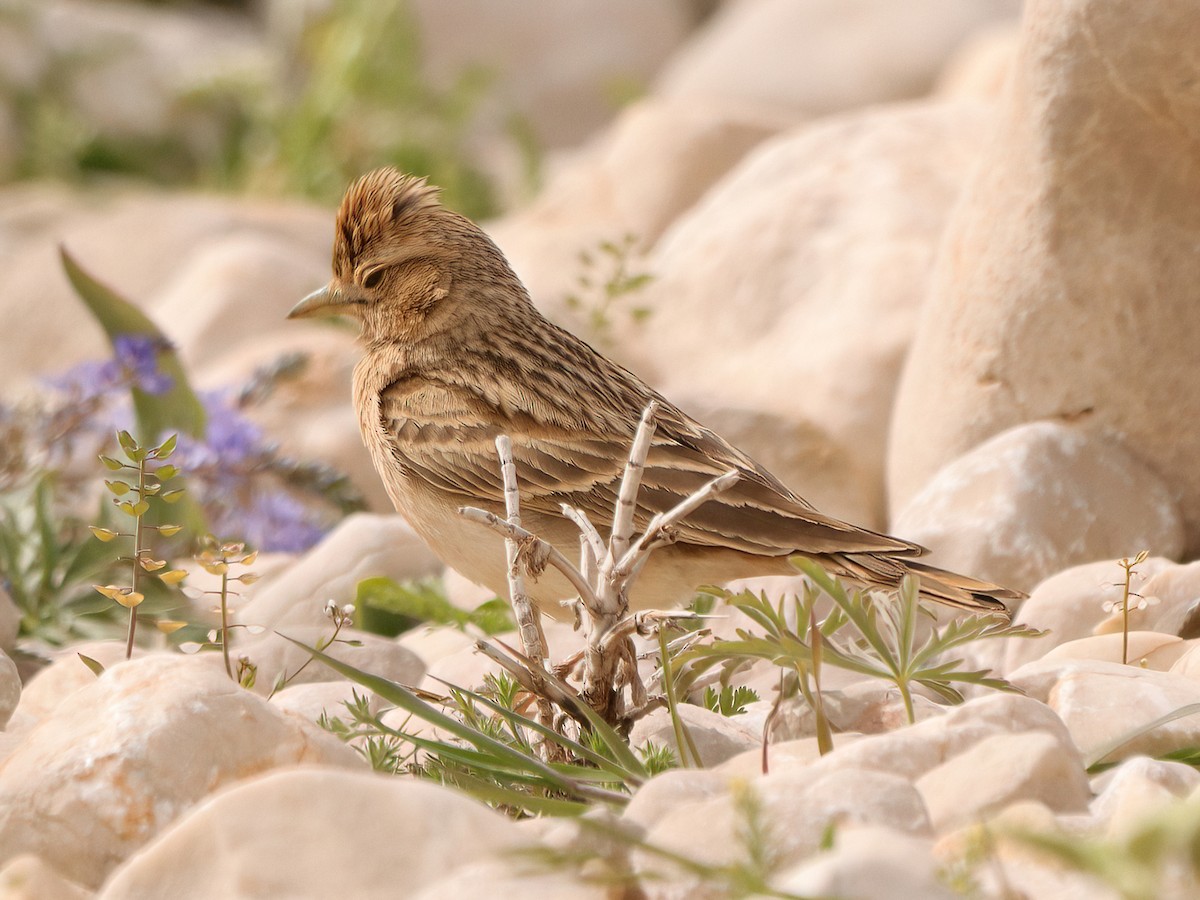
<point x="405" y="266"/>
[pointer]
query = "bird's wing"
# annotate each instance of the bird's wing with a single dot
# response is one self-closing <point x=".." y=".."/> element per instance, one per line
<point x="444" y="434"/>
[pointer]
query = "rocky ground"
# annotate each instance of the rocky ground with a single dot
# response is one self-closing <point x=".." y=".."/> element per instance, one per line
<point x="948" y="293"/>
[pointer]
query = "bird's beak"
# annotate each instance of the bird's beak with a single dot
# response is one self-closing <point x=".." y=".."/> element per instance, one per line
<point x="327" y="301"/>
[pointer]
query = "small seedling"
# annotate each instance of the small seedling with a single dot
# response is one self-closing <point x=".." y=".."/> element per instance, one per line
<point x="1129" y="599"/>
<point x="148" y="472"/>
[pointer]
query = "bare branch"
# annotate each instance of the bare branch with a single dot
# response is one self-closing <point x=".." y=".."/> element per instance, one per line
<point x="526" y="615"/>
<point x="553" y="557"/>
<point x="662" y="523"/>
<point x="587" y="530"/>
<point x="631" y="482"/>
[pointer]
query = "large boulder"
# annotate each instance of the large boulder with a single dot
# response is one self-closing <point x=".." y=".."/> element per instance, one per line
<point x="1066" y="287"/>
<point x="794" y="285"/>
<point x="316" y="832"/>
<point x="121" y="759"/>
<point x="823" y="56"/>
<point x="1038" y="498"/>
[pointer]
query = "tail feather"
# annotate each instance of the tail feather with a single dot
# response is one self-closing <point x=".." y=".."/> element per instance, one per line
<point x="939" y="585"/>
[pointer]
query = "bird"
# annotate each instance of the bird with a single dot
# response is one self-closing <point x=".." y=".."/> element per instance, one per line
<point x="456" y="354"/>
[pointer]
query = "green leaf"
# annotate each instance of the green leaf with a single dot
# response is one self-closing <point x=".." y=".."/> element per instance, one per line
<point x="389" y="606"/>
<point x="96" y="667"/>
<point x="178" y="408"/>
<point x="165" y="449"/>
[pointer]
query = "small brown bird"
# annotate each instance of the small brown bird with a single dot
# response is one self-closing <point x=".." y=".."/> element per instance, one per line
<point x="456" y="354"/>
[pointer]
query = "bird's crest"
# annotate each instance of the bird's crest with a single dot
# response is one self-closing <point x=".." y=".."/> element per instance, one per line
<point x="373" y="206"/>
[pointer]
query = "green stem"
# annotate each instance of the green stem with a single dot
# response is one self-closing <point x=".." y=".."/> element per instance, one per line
<point x="1125" y="617"/>
<point x="906" y="696"/>
<point x="225" y="621"/>
<point x="137" y="559"/>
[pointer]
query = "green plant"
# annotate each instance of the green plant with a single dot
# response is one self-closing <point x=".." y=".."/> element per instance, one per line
<point x="1129" y="599"/>
<point x="729" y="700"/>
<point x="874" y="637"/>
<point x="216" y="558"/>
<point x="389" y="607"/>
<point x="606" y="281"/>
<point x="149" y="471"/>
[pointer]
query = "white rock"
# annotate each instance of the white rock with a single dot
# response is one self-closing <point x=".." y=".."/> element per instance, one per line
<point x="915" y="750"/>
<point x="310" y="700"/>
<point x="1064" y="291"/>
<point x="512" y="878"/>
<point x="275" y="656"/>
<point x="717" y="737"/>
<point x="1070" y="605"/>
<point x="122" y="758"/>
<point x="814" y="252"/>
<point x="1101" y="702"/>
<point x="1177" y="592"/>
<point x="795" y="810"/>
<point x="362" y="546"/>
<point x="314" y="832"/>
<point x="1036" y="499"/>
<point x="810" y="56"/>
<point x="1001" y="769"/>
<point x="67" y="675"/>
<point x="1138" y="788"/>
<point x="981" y="67"/>
<point x="29" y="878"/>
<point x="653" y="163"/>
<point x="671" y="789"/>
<point x="10" y="689"/>
<point x="1146" y="649"/>
<point x="868" y="861"/>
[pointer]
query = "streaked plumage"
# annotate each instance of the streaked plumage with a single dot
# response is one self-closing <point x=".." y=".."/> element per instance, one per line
<point x="457" y="354"/>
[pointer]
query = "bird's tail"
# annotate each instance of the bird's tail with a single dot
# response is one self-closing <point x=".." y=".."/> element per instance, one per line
<point x="939" y="585"/>
<point x="962" y="590"/>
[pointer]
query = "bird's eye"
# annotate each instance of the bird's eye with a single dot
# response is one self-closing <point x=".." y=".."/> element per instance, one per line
<point x="373" y="278"/>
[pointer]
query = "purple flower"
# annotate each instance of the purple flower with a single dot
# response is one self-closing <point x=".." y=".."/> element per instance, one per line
<point x="134" y="364"/>
<point x="231" y="441"/>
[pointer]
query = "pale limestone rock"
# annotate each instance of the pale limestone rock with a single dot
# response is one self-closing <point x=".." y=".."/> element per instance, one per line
<point x="558" y="65"/>
<point x="276" y="657"/>
<point x="913" y="751"/>
<point x="1036" y="499"/>
<point x="1065" y="289"/>
<point x="121" y="759"/>
<point x="669" y="790"/>
<point x="311" y="699"/>
<point x="362" y="546"/>
<point x="133" y="242"/>
<point x="67" y="675"/>
<point x="799" y="807"/>
<point x="813" y="253"/>
<point x="512" y="878"/>
<point x="823" y="56"/>
<point x="1101" y="702"/>
<point x="980" y="68"/>
<point x="315" y="832"/>
<point x="1176" y="599"/>
<point x="1001" y="769"/>
<point x="717" y="737"/>
<point x="1070" y="605"/>
<point x="1146" y="649"/>
<point x="1010" y="867"/>
<point x="868" y="861"/>
<point x="10" y="689"/>
<point x="1138" y="788"/>
<point x="247" y="282"/>
<point x="432" y="644"/>
<point x="654" y="162"/>
<point x="788" y="756"/>
<point x="28" y="877"/>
